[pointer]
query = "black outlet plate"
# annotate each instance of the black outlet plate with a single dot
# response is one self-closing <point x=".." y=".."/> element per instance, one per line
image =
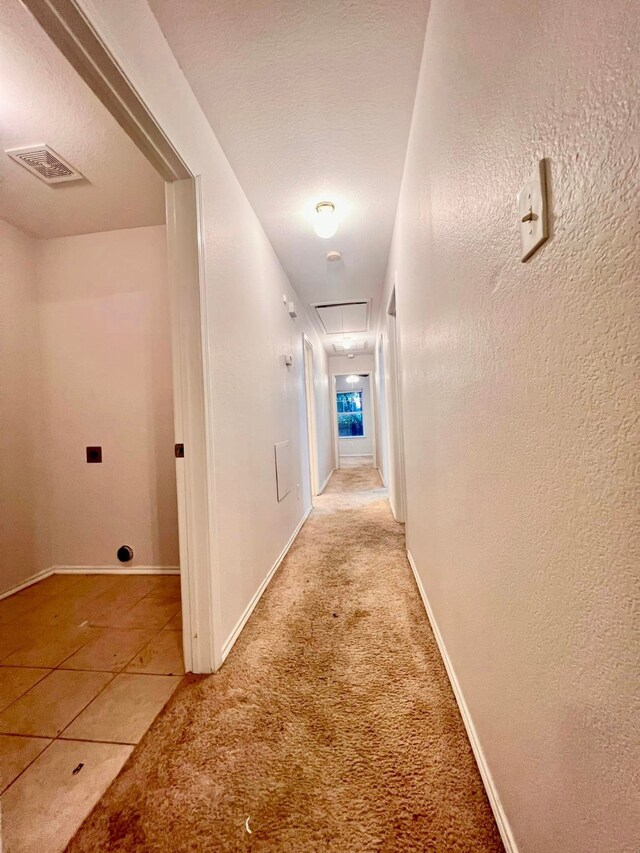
<point x="94" y="454"/>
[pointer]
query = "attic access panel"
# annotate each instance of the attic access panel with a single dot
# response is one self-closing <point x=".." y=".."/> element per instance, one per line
<point x="360" y="346"/>
<point x="337" y="318"/>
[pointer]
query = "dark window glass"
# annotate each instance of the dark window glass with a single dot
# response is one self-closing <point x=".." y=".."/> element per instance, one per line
<point x="350" y="424"/>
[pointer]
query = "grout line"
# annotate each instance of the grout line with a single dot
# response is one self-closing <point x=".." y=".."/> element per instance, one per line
<point x="24" y="769"/>
<point x="111" y="742"/>
<point x="15" y="734"/>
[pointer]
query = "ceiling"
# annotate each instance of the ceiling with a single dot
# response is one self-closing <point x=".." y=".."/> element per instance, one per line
<point x="311" y="101"/>
<point x="43" y="100"/>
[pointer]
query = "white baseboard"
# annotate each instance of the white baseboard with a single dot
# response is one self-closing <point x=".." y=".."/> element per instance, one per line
<point x="121" y="569"/>
<point x="328" y="477"/>
<point x="89" y="570"/>
<point x="233" y="636"/>
<point x="502" y="821"/>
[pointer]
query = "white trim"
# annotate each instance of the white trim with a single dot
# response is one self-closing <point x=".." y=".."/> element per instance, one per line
<point x="310" y="408"/>
<point x="89" y="570"/>
<point x="233" y="636"/>
<point x="502" y="821"/>
<point x="357" y="456"/>
<point x="328" y="477"/>
<point x="121" y="569"/>
<point x="379" y="470"/>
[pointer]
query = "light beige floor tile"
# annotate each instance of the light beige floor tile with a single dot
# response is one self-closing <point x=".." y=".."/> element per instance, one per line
<point x="164" y="586"/>
<point x="43" y="809"/>
<point x="17" y="753"/>
<point x="54" y="585"/>
<point x="13" y="637"/>
<point x="137" y="584"/>
<point x="111" y="604"/>
<point x="14" y="681"/>
<point x="124" y="710"/>
<point x="13" y="608"/>
<point x="56" y="610"/>
<point x="147" y="613"/>
<point x="92" y="585"/>
<point x="162" y="655"/>
<point x="50" y="646"/>
<point x="33" y="593"/>
<point x="112" y="650"/>
<point x="175" y="623"/>
<point x="52" y="703"/>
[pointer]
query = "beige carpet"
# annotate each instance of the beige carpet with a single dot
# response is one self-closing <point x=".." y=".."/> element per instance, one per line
<point x="331" y="726"/>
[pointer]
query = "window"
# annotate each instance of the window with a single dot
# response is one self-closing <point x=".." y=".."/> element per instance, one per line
<point x="350" y="423"/>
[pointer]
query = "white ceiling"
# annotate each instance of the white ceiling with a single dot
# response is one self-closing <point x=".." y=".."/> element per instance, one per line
<point x="311" y="101"/>
<point x="43" y="100"/>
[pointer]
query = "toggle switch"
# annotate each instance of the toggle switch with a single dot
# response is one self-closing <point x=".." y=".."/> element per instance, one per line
<point x="532" y="211"/>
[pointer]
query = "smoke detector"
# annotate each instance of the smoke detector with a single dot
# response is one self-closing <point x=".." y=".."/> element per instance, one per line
<point x="44" y="163"/>
<point x="334" y="255"/>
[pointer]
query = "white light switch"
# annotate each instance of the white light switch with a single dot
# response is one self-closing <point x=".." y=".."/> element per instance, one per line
<point x="532" y="212"/>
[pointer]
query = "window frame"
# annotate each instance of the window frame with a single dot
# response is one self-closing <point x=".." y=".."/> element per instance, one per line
<point x="359" y="391"/>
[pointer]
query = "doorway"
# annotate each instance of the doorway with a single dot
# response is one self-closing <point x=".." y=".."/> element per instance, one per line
<point x="354" y="421"/>
<point x="72" y="33"/>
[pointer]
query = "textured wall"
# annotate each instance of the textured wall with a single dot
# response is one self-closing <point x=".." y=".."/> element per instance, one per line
<point x="521" y="427"/>
<point x="106" y="352"/>
<point x="23" y="541"/>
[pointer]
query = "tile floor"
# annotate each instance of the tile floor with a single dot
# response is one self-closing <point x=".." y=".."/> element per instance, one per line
<point x="86" y="664"/>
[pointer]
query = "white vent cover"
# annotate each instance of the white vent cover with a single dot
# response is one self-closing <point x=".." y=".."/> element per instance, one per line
<point x="43" y="162"/>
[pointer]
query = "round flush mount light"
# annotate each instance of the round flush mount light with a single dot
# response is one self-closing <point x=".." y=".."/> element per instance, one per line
<point x="334" y="255"/>
<point x="353" y="379"/>
<point x="325" y="223"/>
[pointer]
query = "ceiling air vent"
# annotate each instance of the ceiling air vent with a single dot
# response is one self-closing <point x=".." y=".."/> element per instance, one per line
<point x="43" y="162"/>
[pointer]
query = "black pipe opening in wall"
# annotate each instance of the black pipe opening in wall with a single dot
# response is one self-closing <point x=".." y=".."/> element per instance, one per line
<point x="125" y="553"/>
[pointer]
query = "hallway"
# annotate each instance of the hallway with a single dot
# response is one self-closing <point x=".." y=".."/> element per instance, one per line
<point x="331" y="726"/>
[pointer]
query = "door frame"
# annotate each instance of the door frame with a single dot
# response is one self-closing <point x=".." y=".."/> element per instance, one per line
<point x="393" y="393"/>
<point x="85" y="48"/>
<point x="310" y="400"/>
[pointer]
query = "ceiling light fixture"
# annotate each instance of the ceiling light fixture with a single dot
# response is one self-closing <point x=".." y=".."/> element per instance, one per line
<point x="325" y="223"/>
<point x="353" y="379"/>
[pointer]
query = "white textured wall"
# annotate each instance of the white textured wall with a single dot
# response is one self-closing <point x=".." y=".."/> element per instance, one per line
<point x="521" y="428"/>
<point x="106" y="351"/>
<point x="23" y="539"/>
<point x="255" y="400"/>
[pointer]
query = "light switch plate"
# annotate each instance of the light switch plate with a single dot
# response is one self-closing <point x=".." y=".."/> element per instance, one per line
<point x="532" y="212"/>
